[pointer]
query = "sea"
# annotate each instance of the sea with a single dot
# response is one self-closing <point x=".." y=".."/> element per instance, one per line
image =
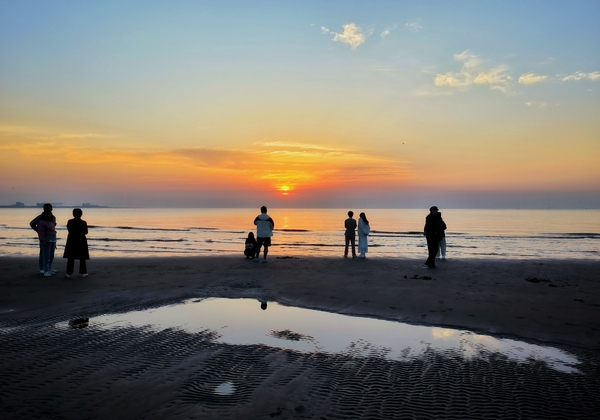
<point x="395" y="233"/>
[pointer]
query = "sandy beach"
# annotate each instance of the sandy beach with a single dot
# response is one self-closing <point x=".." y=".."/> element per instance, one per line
<point x="53" y="375"/>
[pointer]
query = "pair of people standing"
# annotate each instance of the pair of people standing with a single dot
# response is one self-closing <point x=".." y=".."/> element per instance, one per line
<point x="434" y="231"/>
<point x="350" y="235"/>
<point x="76" y="247"/>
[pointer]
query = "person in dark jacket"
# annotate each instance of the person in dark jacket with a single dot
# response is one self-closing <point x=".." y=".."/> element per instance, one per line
<point x="432" y="234"/>
<point x="350" y="234"/>
<point x="76" y="247"/>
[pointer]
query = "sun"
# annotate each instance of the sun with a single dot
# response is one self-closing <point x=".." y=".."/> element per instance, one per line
<point x="285" y="189"/>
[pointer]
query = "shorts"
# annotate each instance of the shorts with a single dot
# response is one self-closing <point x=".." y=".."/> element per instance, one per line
<point x="263" y="241"/>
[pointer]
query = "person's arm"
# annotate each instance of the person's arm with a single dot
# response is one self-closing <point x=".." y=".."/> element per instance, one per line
<point x="272" y="223"/>
<point x="85" y="228"/>
<point x="35" y="222"/>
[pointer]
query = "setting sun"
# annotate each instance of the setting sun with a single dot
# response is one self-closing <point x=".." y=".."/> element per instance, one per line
<point x="284" y="189"/>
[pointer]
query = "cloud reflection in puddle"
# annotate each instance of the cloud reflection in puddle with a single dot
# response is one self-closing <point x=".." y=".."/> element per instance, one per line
<point x="243" y="322"/>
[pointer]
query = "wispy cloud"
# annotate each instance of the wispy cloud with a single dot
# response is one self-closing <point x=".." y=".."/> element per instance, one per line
<point x="414" y="26"/>
<point x="474" y="71"/>
<point x="385" y="33"/>
<point x="532" y="78"/>
<point x="540" y="105"/>
<point x="582" y="76"/>
<point x="296" y="164"/>
<point x="352" y="35"/>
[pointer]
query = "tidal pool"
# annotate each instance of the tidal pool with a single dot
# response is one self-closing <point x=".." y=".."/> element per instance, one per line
<point x="245" y="322"/>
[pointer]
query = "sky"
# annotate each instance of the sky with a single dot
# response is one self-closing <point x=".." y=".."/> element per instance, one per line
<point x="372" y="104"/>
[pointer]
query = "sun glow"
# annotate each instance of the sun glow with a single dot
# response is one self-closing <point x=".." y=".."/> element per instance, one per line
<point x="284" y="189"/>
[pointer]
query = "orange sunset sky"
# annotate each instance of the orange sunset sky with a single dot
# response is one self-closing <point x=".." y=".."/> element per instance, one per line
<point x="300" y="104"/>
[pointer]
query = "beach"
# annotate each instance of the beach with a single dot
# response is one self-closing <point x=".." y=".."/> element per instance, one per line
<point x="549" y="302"/>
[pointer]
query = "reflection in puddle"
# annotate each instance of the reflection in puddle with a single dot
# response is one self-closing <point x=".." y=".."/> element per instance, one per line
<point x="241" y="321"/>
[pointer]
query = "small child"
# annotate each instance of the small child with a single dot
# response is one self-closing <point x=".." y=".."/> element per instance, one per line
<point x="250" y="246"/>
<point x="47" y="235"/>
<point x="76" y="247"/>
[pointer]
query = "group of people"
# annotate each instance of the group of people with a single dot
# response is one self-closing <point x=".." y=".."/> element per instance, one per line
<point x="434" y="231"/>
<point x="76" y="247"/>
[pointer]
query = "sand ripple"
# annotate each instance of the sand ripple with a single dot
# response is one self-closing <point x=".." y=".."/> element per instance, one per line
<point x="51" y="371"/>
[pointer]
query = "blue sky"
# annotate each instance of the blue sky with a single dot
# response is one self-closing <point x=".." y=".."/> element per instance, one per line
<point x="496" y="97"/>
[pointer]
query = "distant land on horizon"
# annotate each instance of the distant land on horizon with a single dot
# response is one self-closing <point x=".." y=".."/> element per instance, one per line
<point x="21" y="205"/>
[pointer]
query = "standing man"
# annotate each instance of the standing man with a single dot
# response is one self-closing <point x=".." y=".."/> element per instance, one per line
<point x="350" y="225"/>
<point x="264" y="231"/>
<point x="34" y="226"/>
<point x="432" y="234"/>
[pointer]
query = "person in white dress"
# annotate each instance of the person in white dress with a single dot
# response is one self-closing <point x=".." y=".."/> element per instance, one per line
<point x="363" y="232"/>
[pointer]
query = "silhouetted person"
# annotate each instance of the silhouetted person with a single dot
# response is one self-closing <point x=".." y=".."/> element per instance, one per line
<point x="46" y="229"/>
<point x="264" y="231"/>
<point x="442" y="243"/>
<point x="77" y="247"/>
<point x="350" y="234"/>
<point x="250" y="246"/>
<point x="432" y="234"/>
<point x="263" y="305"/>
<point x="34" y="226"/>
<point x="363" y="232"/>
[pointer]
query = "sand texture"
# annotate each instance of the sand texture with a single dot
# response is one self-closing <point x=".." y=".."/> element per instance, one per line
<point x="50" y="372"/>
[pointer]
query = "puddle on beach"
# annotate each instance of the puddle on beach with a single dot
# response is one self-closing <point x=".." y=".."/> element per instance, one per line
<point x="244" y="322"/>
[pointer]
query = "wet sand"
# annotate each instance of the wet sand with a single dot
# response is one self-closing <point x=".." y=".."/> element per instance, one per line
<point x="52" y="373"/>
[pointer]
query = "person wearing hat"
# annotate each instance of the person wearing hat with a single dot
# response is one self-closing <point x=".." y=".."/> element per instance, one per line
<point x="432" y="234"/>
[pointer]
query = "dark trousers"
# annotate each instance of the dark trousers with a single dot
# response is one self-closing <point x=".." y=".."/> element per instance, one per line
<point x="350" y="240"/>
<point x="71" y="266"/>
<point x="432" y="248"/>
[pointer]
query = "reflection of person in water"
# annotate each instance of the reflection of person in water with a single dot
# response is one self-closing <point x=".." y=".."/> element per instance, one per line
<point x="263" y="304"/>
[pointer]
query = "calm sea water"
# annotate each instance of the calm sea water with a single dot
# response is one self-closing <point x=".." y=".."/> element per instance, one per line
<point x="522" y="234"/>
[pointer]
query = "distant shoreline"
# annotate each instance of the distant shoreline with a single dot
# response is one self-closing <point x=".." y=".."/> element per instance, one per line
<point x="13" y="206"/>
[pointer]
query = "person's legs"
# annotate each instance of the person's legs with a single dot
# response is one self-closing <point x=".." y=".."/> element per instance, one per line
<point x="46" y="258"/>
<point x="266" y="244"/>
<point x="41" y="258"/>
<point x="432" y="247"/>
<point x="353" y="245"/>
<point x="70" y="265"/>
<point x="51" y="257"/>
<point x="259" y="243"/>
<point x="346" y="247"/>
<point x="82" y="267"/>
<point x="443" y="248"/>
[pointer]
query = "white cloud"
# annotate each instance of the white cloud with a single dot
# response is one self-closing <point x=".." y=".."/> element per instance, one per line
<point x="352" y="35"/>
<point x="580" y="76"/>
<point x="414" y="26"/>
<point x="475" y="72"/>
<point x="385" y="33"/>
<point x="531" y="78"/>
<point x="536" y="104"/>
